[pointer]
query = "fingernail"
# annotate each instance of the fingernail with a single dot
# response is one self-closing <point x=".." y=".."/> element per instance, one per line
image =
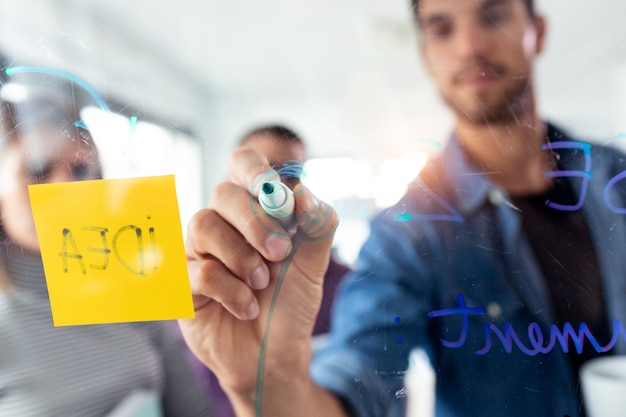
<point x="259" y="278"/>
<point x="252" y="311"/>
<point x="278" y="246"/>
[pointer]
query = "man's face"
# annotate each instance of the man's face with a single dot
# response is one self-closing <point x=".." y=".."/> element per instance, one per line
<point x="280" y="154"/>
<point x="480" y="53"/>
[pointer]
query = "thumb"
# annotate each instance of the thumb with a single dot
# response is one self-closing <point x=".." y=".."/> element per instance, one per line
<point x="317" y="222"/>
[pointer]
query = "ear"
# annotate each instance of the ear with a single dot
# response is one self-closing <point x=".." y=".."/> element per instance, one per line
<point x="541" y="27"/>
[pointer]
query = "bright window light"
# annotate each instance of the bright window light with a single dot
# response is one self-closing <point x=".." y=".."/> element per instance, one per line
<point x="395" y="176"/>
<point x="336" y="178"/>
<point x="131" y="148"/>
<point x="357" y="193"/>
<point x="14" y="93"/>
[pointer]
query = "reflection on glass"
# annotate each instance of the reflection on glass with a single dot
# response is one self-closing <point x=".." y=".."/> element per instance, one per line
<point x="77" y="370"/>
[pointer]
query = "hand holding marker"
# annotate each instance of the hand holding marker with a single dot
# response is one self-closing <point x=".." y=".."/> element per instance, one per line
<point x="276" y="199"/>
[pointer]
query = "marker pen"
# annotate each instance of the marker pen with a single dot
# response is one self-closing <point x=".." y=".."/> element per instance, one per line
<point x="276" y="199"/>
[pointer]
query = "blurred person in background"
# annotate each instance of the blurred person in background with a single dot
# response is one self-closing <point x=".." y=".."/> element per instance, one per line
<point x="286" y="153"/>
<point x="77" y="370"/>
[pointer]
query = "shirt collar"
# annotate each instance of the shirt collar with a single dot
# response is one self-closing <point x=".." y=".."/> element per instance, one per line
<point x="471" y="187"/>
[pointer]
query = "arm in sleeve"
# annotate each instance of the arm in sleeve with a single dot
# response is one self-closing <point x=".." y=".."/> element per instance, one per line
<point x="379" y="317"/>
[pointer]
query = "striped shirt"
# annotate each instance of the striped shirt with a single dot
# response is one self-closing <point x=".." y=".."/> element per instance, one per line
<point x="82" y="371"/>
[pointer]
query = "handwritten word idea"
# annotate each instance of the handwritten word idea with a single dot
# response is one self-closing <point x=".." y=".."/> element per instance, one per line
<point x="144" y="250"/>
<point x="537" y="340"/>
<point x="112" y="250"/>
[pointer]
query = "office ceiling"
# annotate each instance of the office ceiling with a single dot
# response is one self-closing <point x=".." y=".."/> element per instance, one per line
<point x="344" y="73"/>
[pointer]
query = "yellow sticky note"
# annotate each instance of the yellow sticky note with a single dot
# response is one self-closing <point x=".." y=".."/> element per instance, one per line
<point x="112" y="250"/>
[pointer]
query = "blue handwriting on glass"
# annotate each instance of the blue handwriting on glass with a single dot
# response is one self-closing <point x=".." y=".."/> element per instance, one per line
<point x="75" y="79"/>
<point x="538" y="343"/>
<point x="585" y="175"/>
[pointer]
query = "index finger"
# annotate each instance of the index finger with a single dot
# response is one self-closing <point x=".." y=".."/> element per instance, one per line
<point x="249" y="169"/>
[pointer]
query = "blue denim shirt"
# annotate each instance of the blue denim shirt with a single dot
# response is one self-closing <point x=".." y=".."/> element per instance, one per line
<point x="453" y="239"/>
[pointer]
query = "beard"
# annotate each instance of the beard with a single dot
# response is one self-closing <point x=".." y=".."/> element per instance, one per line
<point x="491" y="106"/>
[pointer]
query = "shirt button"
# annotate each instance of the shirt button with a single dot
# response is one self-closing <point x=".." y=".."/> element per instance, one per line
<point x="494" y="310"/>
<point x="495" y="197"/>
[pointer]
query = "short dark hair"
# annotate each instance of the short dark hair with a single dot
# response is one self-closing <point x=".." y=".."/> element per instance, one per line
<point x="279" y="132"/>
<point x="530" y="7"/>
<point x="289" y="171"/>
